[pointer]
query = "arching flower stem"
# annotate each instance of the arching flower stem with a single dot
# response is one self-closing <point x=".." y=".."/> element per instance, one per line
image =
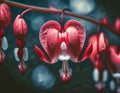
<point x="41" y="9"/>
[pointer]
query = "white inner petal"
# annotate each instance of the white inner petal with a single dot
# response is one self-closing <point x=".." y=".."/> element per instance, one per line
<point x="61" y="72"/>
<point x="116" y="75"/>
<point x="105" y="75"/>
<point x="112" y="85"/>
<point x="4" y="43"/>
<point x="15" y="54"/>
<point x="25" y="54"/>
<point x="96" y="75"/>
<point x="63" y="55"/>
<point x="63" y="46"/>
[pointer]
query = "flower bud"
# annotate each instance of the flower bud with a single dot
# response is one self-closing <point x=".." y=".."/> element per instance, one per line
<point x="105" y="21"/>
<point x="20" y="27"/>
<point x="5" y="15"/>
<point x="117" y="25"/>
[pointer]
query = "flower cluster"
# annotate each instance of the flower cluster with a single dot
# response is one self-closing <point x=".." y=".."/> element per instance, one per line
<point x="66" y="43"/>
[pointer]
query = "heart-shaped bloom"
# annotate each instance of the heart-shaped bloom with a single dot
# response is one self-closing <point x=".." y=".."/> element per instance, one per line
<point x="99" y="43"/>
<point x="60" y="43"/>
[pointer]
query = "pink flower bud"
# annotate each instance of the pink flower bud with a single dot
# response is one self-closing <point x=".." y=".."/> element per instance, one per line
<point x="20" y="27"/>
<point x="5" y="15"/>
<point x="117" y="25"/>
<point x="105" y="21"/>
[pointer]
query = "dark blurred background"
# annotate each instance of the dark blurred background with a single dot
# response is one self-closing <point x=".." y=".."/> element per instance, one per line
<point x="11" y="81"/>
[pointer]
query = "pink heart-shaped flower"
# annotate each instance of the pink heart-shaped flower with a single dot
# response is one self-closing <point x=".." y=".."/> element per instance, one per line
<point x="55" y="40"/>
<point x="99" y="43"/>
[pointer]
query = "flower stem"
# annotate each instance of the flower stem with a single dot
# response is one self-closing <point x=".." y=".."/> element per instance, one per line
<point x="27" y="10"/>
<point x="41" y="9"/>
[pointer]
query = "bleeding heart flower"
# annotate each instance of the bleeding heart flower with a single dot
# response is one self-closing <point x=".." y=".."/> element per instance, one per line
<point x="99" y="43"/>
<point x="117" y="25"/>
<point x="5" y="16"/>
<point x="100" y="74"/>
<point x="67" y="41"/>
<point x="20" y="27"/>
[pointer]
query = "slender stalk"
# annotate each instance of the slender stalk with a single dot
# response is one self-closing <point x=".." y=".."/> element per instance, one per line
<point x="41" y="9"/>
<point x="25" y="11"/>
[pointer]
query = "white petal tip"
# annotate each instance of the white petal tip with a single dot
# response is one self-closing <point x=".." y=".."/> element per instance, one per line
<point x="95" y="75"/>
<point x="116" y="75"/>
<point x="4" y="43"/>
<point x="105" y="75"/>
<point x="112" y="85"/>
<point x="16" y="55"/>
<point x="25" y="54"/>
